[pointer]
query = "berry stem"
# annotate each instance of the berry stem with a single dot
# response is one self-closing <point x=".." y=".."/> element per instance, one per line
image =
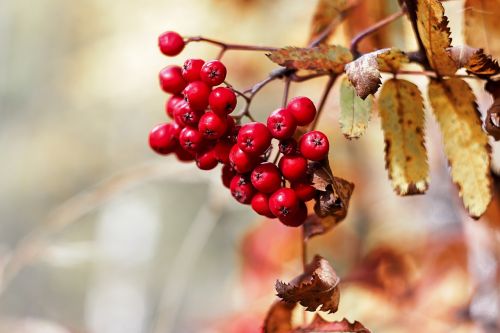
<point x="286" y="91"/>
<point x="324" y="97"/>
<point x="228" y="46"/>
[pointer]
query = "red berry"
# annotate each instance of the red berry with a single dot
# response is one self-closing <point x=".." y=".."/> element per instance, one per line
<point x="221" y="150"/>
<point x="190" y="139"/>
<point x="266" y="177"/>
<point x="196" y="94"/>
<point x="260" y="204"/>
<point x="297" y="218"/>
<point x="283" y="202"/>
<point x="172" y="104"/>
<point x="227" y="175"/>
<point x="241" y="161"/>
<point x="314" y="146"/>
<point x="177" y="128"/>
<point x="211" y="126"/>
<point x="254" y="138"/>
<point x="162" y="139"/>
<point x="171" y="80"/>
<point x="281" y="124"/>
<point x="191" y="69"/>
<point x="233" y="133"/>
<point x="206" y="160"/>
<point x="293" y="167"/>
<point x="213" y="73"/>
<point x="171" y="43"/>
<point x="241" y="189"/>
<point x="186" y="116"/>
<point x="288" y="146"/>
<point x="222" y="101"/>
<point x="303" y="110"/>
<point x="304" y="191"/>
<point x="183" y="155"/>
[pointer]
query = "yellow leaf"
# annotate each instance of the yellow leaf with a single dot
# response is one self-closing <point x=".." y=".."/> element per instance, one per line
<point x="433" y="29"/>
<point x="355" y="112"/>
<point x="326" y="12"/>
<point x="474" y="60"/>
<point x="465" y="144"/>
<point x="402" y="113"/>
<point x="481" y="26"/>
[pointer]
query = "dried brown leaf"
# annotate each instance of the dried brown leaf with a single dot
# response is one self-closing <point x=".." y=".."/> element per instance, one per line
<point x="433" y="29"/>
<point x="474" y="60"/>
<point x="279" y="318"/>
<point x="401" y="110"/>
<point x="492" y="120"/>
<point x="326" y="12"/>
<point x="466" y="145"/>
<point x="321" y="58"/>
<point x="364" y="72"/>
<point x="316" y="288"/>
<point x="481" y="28"/>
<point x="319" y="325"/>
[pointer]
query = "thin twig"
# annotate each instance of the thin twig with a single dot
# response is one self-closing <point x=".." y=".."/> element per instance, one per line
<point x="229" y="46"/>
<point x="286" y="91"/>
<point x="324" y="97"/>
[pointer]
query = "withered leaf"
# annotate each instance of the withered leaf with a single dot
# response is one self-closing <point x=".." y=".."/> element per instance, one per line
<point x="401" y="111"/>
<point x="316" y="288"/>
<point x="492" y="121"/>
<point x="364" y="72"/>
<point x="279" y="318"/>
<point x="326" y="12"/>
<point x="355" y="112"/>
<point x="474" y="60"/>
<point x="433" y="29"/>
<point x="465" y="144"/>
<point x="321" y="58"/>
<point x="344" y="326"/>
<point x="481" y="26"/>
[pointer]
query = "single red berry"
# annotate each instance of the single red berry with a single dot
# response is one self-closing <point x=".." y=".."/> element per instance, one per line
<point x="221" y="150"/>
<point x="314" y="146"/>
<point x="260" y="204"/>
<point x="206" y="160"/>
<point x="162" y="139"/>
<point x="303" y="110"/>
<point x="282" y="124"/>
<point x="196" y="94"/>
<point x="184" y="155"/>
<point x="190" y="139"/>
<point x="213" y="72"/>
<point x="222" y="101"/>
<point x="227" y="175"/>
<point x="232" y="135"/>
<point x="283" y="202"/>
<point x="297" y="218"/>
<point x="288" y="146"/>
<point x="211" y="126"/>
<point x="254" y="138"/>
<point x="293" y="167"/>
<point x="171" y="80"/>
<point x="191" y="69"/>
<point x="266" y="177"/>
<point x="171" y="43"/>
<point x="241" y="189"/>
<point x="304" y="191"/>
<point x="241" y="161"/>
<point x="172" y="104"/>
<point x="185" y="115"/>
<point x="230" y="124"/>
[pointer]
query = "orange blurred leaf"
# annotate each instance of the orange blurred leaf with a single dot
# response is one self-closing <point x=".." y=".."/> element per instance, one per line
<point x="474" y="60"/>
<point x="326" y="12"/>
<point x="481" y="28"/>
<point x="279" y="318"/>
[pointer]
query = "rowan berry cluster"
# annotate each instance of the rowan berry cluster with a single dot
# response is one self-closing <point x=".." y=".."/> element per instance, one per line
<point x="203" y="130"/>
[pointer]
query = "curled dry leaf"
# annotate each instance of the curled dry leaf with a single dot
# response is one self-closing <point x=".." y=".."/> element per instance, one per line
<point x="492" y="121"/>
<point x="401" y="110"/>
<point x="433" y="30"/>
<point x="481" y="28"/>
<point x="279" y="318"/>
<point x="316" y="288"/>
<point x="364" y="72"/>
<point x="474" y="60"/>
<point x="465" y="144"/>
<point x="326" y="12"/>
<point x="323" y="326"/>
<point x="321" y="58"/>
<point x="355" y="112"/>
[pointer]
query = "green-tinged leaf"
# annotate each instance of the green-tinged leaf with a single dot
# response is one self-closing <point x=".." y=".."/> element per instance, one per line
<point x="322" y="58"/>
<point x="327" y="11"/>
<point x="364" y="72"/>
<point x="481" y="28"/>
<point x="401" y="111"/>
<point x="474" y="60"/>
<point x="465" y="144"/>
<point x="355" y="112"/>
<point x="433" y="29"/>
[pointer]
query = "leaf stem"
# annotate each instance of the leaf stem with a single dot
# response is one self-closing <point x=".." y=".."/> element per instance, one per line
<point x="324" y="97"/>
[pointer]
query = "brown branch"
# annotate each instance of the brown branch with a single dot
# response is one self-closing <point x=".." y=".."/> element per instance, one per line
<point x="323" y="99"/>
<point x="411" y="9"/>
<point x="229" y="46"/>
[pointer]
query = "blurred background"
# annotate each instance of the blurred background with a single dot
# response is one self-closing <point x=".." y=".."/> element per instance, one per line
<point x="99" y="234"/>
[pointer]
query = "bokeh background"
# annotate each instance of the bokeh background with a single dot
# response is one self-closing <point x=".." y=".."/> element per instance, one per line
<point x="98" y="234"/>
